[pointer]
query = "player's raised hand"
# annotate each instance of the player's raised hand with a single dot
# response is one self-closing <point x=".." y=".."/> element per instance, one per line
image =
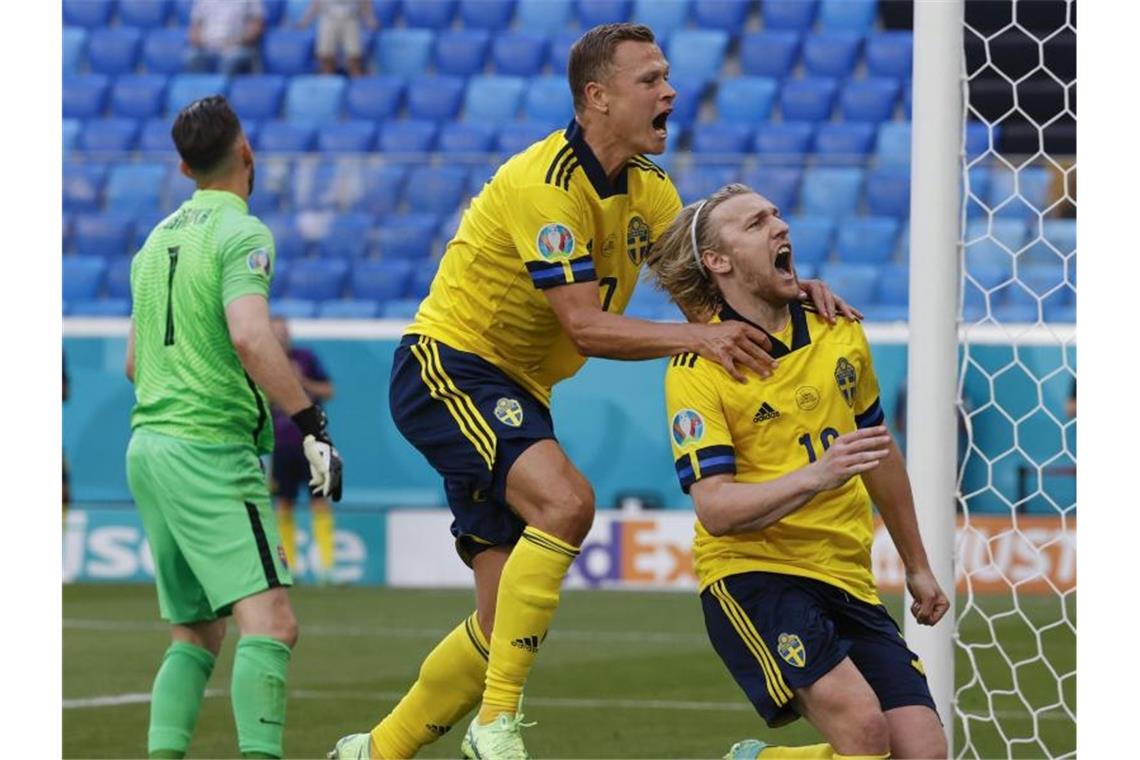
<point x="325" y="465"/>
<point x="929" y="604"/>
<point x="735" y="345"/>
<point x="827" y="302"/>
<point x="851" y="454"/>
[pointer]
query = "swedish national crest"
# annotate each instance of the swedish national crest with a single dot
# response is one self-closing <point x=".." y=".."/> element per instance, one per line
<point x="791" y="649"/>
<point x="509" y="412"/>
<point x="846" y="380"/>
<point x="637" y="240"/>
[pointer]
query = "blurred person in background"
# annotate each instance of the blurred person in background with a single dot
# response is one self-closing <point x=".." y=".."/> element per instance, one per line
<point x="338" y="28"/>
<point x="224" y="35"/>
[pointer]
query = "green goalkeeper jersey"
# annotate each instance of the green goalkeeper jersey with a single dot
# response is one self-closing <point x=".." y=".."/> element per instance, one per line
<point x="189" y="382"/>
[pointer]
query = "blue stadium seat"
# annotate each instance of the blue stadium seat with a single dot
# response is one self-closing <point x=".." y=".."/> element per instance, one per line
<point x="517" y="136"/>
<point x="833" y="192"/>
<point x="287" y="240"/>
<point x="855" y="282"/>
<point x="280" y="282"/>
<point x="74" y="46"/>
<point x="697" y="53"/>
<point x="1061" y="234"/>
<point x="1014" y="313"/>
<point x="870" y="100"/>
<point x="894" y="284"/>
<point x="888" y="192"/>
<point x="893" y="144"/>
<point x="405" y="52"/>
<point x="745" y="99"/>
<point x="377" y="98"/>
<point x="385" y="11"/>
<point x="435" y="98"/>
<point x="592" y="13"/>
<point x="285" y="137"/>
<point x="686" y="107"/>
<point x="1046" y="281"/>
<point x="548" y="100"/>
<point x="71" y="130"/>
<point x="83" y="186"/>
<point x="543" y="16"/>
<point x="112" y="135"/>
<point x="92" y="14"/>
<point x="1032" y="184"/>
<point x="106" y="235"/>
<point x="316" y="279"/>
<point x="844" y="143"/>
<point x="848" y="15"/>
<point x="294" y="308"/>
<point x="460" y="137"/>
<point x="382" y="189"/>
<point x="164" y="50"/>
<point x="348" y="309"/>
<point x="796" y="15"/>
<point x="407" y="237"/>
<point x="492" y="15"/>
<point x="357" y="136"/>
<point x="889" y="54"/>
<point x="274" y="12"/>
<point x="84" y="96"/>
<point x="727" y="15"/>
<point x="144" y="14"/>
<point x="808" y="99"/>
<point x="421" y="279"/>
<point x="662" y="16"/>
<point x="521" y="54"/>
<point x="101" y="307"/>
<point x="435" y="189"/>
<point x="403" y="309"/>
<point x="779" y="184"/>
<point x="314" y="99"/>
<point x="560" y="44"/>
<point x="461" y="52"/>
<point x="404" y="137"/>
<point x="135" y="188"/>
<point x="83" y="277"/>
<point x="429" y="14"/>
<point x="784" y="142"/>
<point x="769" y="53"/>
<point x="867" y="240"/>
<point x="699" y="181"/>
<point x="138" y="96"/>
<point x="812" y="238"/>
<point x="184" y="89"/>
<point x="381" y="281"/>
<point x="287" y="51"/>
<point x="1008" y="232"/>
<point x="347" y="237"/>
<point x="178" y="188"/>
<point x="721" y="137"/>
<point x="978" y="138"/>
<point x="831" y="54"/>
<point x="478" y="177"/>
<point x="117" y="281"/>
<point x="492" y="99"/>
<point x="295" y="11"/>
<point x="317" y="185"/>
<point x="257" y="96"/>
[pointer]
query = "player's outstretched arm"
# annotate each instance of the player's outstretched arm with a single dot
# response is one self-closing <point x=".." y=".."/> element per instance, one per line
<point x="889" y="487"/>
<point x="725" y="506"/>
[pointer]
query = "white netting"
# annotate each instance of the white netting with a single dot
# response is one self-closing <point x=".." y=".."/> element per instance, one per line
<point x="1015" y="661"/>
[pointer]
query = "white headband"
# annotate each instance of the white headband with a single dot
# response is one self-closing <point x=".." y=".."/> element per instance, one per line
<point x="693" y="237"/>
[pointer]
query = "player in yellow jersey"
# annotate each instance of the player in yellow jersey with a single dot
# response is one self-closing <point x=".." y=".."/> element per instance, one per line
<point x="540" y="270"/>
<point x="783" y="533"/>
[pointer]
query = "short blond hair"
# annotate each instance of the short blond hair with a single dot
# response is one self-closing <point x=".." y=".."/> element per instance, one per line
<point x="674" y="264"/>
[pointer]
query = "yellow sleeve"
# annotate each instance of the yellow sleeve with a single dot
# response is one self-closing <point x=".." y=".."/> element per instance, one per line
<point x="698" y="430"/>
<point x="550" y="233"/>
<point x="665" y="209"/>
<point x="868" y="410"/>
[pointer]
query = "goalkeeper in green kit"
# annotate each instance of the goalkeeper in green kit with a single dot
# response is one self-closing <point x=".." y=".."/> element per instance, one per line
<point x="203" y="359"/>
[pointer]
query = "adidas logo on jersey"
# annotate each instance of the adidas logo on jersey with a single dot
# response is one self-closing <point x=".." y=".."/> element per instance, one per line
<point x="529" y="643"/>
<point x="765" y="412"/>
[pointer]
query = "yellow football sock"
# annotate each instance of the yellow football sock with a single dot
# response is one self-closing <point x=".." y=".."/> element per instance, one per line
<point x="810" y="752"/>
<point x="323" y="535"/>
<point x="449" y="686"/>
<point x="285" y="527"/>
<point x="528" y="597"/>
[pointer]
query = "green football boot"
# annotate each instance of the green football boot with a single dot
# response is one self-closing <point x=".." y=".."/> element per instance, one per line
<point x="500" y="739"/>
<point x="749" y="749"/>
<point x="352" y="747"/>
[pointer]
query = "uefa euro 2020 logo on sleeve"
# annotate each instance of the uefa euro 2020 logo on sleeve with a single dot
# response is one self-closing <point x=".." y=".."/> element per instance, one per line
<point x="258" y="261"/>
<point x="688" y="427"/>
<point x="555" y="241"/>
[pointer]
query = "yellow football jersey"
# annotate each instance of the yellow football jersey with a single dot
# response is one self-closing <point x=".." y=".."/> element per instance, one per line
<point x="760" y="430"/>
<point x="548" y="217"/>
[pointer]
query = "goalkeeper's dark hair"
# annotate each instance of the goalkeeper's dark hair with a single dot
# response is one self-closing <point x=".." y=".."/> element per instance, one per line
<point x="204" y="133"/>
<point x="593" y="54"/>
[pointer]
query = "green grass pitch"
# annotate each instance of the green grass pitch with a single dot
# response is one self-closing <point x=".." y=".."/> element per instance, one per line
<point x="622" y="675"/>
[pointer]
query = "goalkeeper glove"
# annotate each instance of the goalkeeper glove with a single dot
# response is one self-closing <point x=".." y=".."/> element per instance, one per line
<point x="324" y="461"/>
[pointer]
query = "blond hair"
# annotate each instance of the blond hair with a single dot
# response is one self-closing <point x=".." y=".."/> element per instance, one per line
<point x="675" y="263"/>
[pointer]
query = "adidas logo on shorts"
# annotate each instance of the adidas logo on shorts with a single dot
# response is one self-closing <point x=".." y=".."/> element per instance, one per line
<point x="529" y="643"/>
<point x="765" y="412"/>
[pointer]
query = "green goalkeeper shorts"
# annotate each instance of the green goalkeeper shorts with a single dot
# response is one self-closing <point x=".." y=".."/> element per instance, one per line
<point x="205" y="508"/>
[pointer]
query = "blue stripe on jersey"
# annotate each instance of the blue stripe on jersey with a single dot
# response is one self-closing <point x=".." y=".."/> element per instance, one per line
<point x="548" y="274"/>
<point x="871" y="417"/>
<point x="717" y="463"/>
<point x="712" y="460"/>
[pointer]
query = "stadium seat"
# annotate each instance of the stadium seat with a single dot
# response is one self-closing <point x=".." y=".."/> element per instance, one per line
<point x="894" y="284"/>
<point x="280" y="282"/>
<point x="697" y="53"/>
<point x="434" y="189"/>
<point x="721" y="138"/>
<point x="316" y="279"/>
<point x="294" y="308"/>
<point x="690" y="92"/>
<point x="177" y="188"/>
<point x="492" y="15"/>
<point x="184" y="89"/>
<point x="357" y="136"/>
<point x="461" y="52"/>
<point x="726" y="15"/>
<point x="285" y="137"/>
<point x="796" y="15"/>
<point x="769" y="53"/>
<point x="812" y="238"/>
<point x="890" y="53"/>
<point x="593" y="13"/>
<point x="435" y="98"/>
<point x="346" y="237"/>
<point x="888" y="192"/>
<point x="106" y="235"/>
<point x="808" y="99"/>
<point x="662" y="16"/>
<point x="112" y="135"/>
<point x="855" y="281"/>
<point x="403" y="309"/>
<point x="867" y="240"/>
<point x="138" y="96"/>
<point x="74" y="46"/>
<point x="101" y="307"/>
<point x="84" y="96"/>
<point x="117" y="281"/>
<point x="560" y="44"/>
<point x="848" y="15"/>
<point x="1006" y="232"/>
<point x="548" y="100"/>
<point x="831" y="54"/>
<point x="1046" y="281"/>
<point x="784" y="142"/>
<point x="287" y="51"/>
<point x="164" y="50"/>
<point x="405" y="52"/>
<point x="93" y="14"/>
<point x="314" y="99"/>
<point x="779" y="184"/>
<point x="1061" y="234"/>
<point x="257" y="96"/>
<point x="831" y="192"/>
<point x="83" y="186"/>
<point x="745" y="100"/>
<point x="318" y="184"/>
<point x="144" y="14"/>
<point x="295" y="11"/>
<point x="422" y="278"/>
<point x="460" y="137"/>
<point x="870" y="100"/>
<point x="381" y="281"/>
<point x="377" y="98"/>
<point x="154" y="136"/>
<point x="287" y="240"/>
<point x="429" y="14"/>
<point x="517" y="136"/>
<point x="700" y="180"/>
<point x="274" y="12"/>
<point x="71" y="130"/>
<point x="82" y="276"/>
<point x="410" y="136"/>
<point x="492" y="99"/>
<point x="893" y="144"/>
<point x="520" y="54"/>
<point x="135" y="188"/>
<point x="385" y="12"/>
<point x="543" y="16"/>
<point x="407" y="237"/>
<point x="348" y="309"/>
<point x="1014" y="313"/>
<point x="1031" y="184"/>
<point x="844" y="143"/>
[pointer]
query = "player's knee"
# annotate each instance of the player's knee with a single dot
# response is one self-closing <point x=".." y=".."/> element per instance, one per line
<point x="873" y="732"/>
<point x="931" y="745"/>
<point x="572" y="511"/>
<point x="282" y="626"/>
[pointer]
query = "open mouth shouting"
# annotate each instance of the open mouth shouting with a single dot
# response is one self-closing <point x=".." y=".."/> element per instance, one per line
<point x="659" y="123"/>
<point x="783" y="262"/>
